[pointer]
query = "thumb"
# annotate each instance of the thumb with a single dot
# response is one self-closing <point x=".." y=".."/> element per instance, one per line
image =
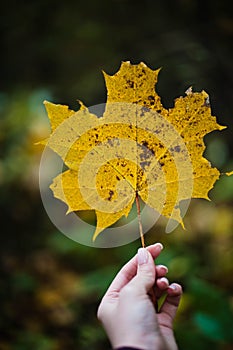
<point x="145" y="277"/>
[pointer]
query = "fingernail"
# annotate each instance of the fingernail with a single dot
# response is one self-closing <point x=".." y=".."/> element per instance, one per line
<point x="163" y="267"/>
<point x="164" y="280"/>
<point x="161" y="246"/>
<point x="142" y="256"/>
<point x="172" y="286"/>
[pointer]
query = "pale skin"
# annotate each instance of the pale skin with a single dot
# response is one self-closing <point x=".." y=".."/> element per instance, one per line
<point x="128" y="309"/>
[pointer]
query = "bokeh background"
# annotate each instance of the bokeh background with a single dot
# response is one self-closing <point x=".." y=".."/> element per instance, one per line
<point x="50" y="286"/>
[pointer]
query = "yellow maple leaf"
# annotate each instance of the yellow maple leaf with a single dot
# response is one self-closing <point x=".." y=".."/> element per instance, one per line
<point x="137" y="148"/>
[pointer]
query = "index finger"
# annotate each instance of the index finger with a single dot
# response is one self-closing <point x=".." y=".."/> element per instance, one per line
<point x="129" y="270"/>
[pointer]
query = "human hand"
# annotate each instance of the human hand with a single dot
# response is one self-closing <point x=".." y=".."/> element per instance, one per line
<point x="127" y="311"/>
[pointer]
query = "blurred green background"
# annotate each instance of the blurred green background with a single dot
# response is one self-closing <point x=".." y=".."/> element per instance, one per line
<point x="50" y="286"/>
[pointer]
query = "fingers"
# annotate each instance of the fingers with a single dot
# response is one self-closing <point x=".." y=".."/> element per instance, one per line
<point x="161" y="286"/>
<point x="161" y="270"/>
<point x="170" y="305"/>
<point x="162" y="282"/>
<point x="146" y="273"/>
<point x="155" y="249"/>
<point x="130" y="269"/>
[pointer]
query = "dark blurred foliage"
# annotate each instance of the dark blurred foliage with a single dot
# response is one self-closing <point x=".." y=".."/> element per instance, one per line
<point x="50" y="286"/>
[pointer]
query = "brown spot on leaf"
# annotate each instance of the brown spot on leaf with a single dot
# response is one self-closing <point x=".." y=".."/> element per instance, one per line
<point x="177" y="148"/>
<point x="130" y="83"/>
<point x="111" y="193"/>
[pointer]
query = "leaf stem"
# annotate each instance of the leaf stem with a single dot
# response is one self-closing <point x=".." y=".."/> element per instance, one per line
<point x="139" y="220"/>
